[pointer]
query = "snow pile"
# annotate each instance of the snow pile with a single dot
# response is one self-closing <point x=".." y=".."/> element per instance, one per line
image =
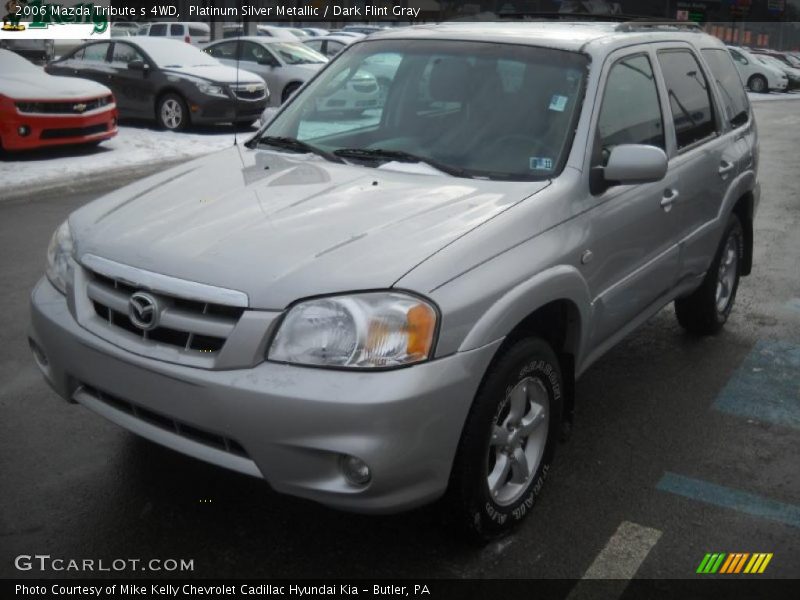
<point x="132" y="147"/>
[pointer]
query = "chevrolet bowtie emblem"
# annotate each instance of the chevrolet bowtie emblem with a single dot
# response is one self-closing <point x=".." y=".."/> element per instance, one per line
<point x="252" y="88"/>
<point x="79" y="108"/>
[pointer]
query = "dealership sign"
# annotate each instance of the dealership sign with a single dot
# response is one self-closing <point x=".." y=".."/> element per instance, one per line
<point x="38" y="19"/>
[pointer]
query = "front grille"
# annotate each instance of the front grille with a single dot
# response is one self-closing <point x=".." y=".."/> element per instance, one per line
<point x="63" y="107"/>
<point x="54" y="134"/>
<point x="247" y="92"/>
<point x="190" y="325"/>
<point x="185" y="430"/>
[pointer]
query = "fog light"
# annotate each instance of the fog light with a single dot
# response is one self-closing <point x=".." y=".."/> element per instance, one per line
<point x="23" y="130"/>
<point x="355" y="470"/>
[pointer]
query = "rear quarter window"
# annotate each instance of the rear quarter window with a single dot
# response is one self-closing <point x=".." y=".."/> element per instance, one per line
<point x="734" y="97"/>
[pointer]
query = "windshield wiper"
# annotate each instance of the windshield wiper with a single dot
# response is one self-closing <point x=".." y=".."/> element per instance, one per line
<point x="379" y="154"/>
<point x="295" y="145"/>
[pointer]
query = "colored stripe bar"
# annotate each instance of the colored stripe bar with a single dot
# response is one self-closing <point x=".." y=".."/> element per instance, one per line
<point x="710" y="493"/>
<point x="765" y="563"/>
<point x="704" y="563"/>
<point x="727" y="564"/>
<point x="718" y="562"/>
<point x="740" y="564"/>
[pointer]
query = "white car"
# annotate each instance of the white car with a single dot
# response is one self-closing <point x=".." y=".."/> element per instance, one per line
<point x="191" y="32"/>
<point x="756" y="75"/>
<point x="791" y="72"/>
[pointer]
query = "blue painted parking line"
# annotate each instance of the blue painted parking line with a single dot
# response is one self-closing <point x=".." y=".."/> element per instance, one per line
<point x="767" y="385"/>
<point x="718" y="495"/>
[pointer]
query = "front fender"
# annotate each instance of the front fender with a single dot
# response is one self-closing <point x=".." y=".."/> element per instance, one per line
<point x="558" y="283"/>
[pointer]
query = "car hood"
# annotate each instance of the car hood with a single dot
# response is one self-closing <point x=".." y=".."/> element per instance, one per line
<point x="216" y="73"/>
<point x="41" y="86"/>
<point x="280" y="227"/>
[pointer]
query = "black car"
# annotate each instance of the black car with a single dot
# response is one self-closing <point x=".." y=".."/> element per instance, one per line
<point x="167" y="80"/>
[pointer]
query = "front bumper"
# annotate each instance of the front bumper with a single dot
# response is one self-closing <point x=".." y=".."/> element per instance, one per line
<point x="289" y="425"/>
<point x="210" y="110"/>
<point x="56" y="130"/>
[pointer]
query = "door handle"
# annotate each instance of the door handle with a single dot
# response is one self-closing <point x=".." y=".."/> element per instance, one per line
<point x="725" y="167"/>
<point x="670" y="196"/>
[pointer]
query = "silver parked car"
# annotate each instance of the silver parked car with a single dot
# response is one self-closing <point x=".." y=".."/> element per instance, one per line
<point x="376" y="313"/>
<point x="284" y="65"/>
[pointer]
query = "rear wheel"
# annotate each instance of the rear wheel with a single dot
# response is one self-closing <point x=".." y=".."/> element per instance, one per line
<point x="758" y="84"/>
<point x="508" y="441"/>
<point x="706" y="310"/>
<point x="172" y="112"/>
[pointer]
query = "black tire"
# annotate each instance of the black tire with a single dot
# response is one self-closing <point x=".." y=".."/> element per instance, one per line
<point x="701" y="313"/>
<point x="289" y="90"/>
<point x="469" y="504"/>
<point x="177" y="107"/>
<point x="758" y="84"/>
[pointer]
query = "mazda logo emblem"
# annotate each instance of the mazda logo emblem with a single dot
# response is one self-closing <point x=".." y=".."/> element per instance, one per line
<point x="143" y="311"/>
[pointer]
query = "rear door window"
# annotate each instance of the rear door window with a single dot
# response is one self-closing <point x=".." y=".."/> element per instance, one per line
<point x="158" y="29"/>
<point x="734" y="97"/>
<point x="689" y="97"/>
<point x="176" y="30"/>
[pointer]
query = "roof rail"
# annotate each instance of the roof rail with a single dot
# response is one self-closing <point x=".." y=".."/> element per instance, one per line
<point x="665" y="25"/>
<point x="558" y="16"/>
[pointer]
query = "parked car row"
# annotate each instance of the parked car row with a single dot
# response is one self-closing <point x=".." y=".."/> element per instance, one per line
<point x="758" y="76"/>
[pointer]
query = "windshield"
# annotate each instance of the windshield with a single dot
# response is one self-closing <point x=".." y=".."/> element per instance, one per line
<point x="178" y="54"/>
<point x="295" y="53"/>
<point x="497" y="111"/>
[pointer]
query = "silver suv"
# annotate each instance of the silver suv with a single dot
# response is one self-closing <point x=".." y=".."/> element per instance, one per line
<point x="378" y="311"/>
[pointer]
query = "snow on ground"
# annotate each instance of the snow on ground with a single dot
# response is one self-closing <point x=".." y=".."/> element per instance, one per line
<point x="772" y="96"/>
<point x="133" y="146"/>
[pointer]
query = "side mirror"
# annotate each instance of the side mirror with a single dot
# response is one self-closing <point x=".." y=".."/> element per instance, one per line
<point x="268" y="61"/>
<point x="635" y="163"/>
<point x="138" y="65"/>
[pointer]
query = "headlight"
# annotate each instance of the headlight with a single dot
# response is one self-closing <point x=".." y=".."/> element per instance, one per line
<point x="362" y="331"/>
<point x="211" y="89"/>
<point x="58" y="253"/>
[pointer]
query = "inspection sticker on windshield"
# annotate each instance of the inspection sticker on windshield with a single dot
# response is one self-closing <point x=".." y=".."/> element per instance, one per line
<point x="558" y="103"/>
<point x="541" y="164"/>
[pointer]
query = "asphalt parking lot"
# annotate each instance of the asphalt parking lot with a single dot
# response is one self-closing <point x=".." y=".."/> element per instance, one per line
<point x="693" y="441"/>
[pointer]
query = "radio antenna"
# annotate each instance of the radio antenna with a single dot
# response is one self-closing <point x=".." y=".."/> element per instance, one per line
<point x="239" y="47"/>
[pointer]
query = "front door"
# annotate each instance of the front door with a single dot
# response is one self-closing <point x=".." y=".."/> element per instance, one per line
<point x="632" y="251"/>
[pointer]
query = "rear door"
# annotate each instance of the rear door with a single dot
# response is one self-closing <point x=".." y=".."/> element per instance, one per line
<point x="704" y="158"/>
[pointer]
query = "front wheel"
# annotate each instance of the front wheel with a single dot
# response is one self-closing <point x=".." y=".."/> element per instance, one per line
<point x="508" y="441"/>
<point x="758" y="84"/>
<point x="706" y="310"/>
<point x="172" y="112"/>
